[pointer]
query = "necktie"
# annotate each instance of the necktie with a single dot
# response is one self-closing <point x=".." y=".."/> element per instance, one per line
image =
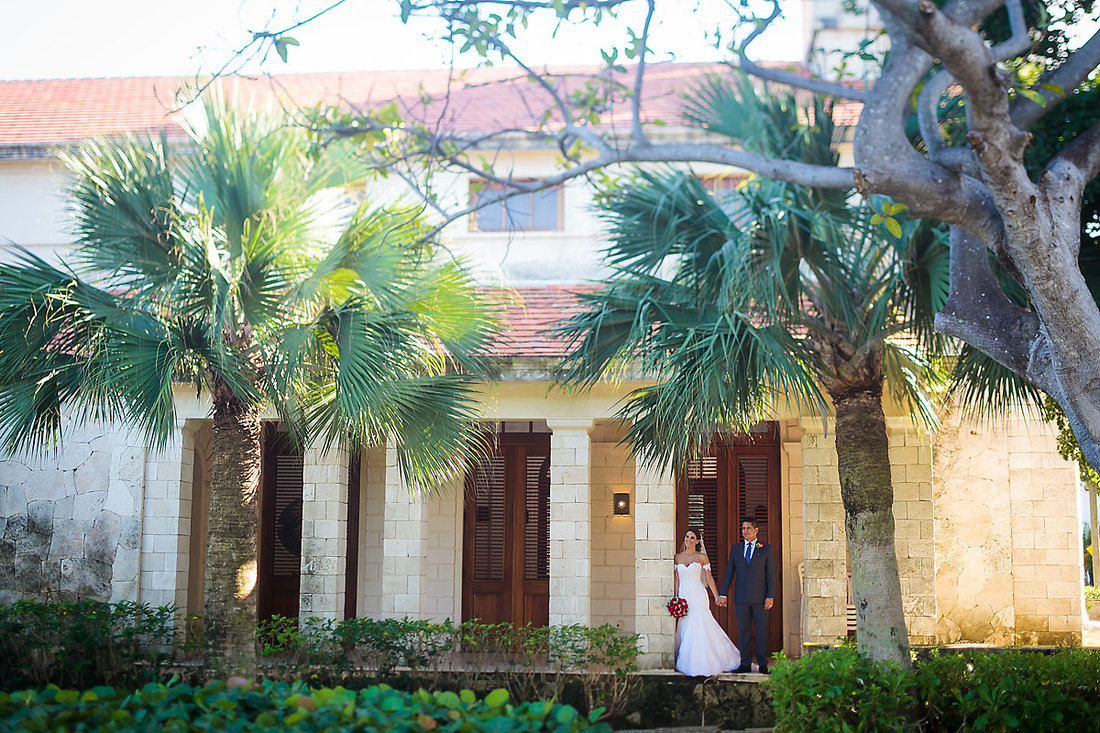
<point x="748" y="551"/>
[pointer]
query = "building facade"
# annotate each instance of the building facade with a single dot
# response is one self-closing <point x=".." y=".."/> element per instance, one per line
<point x="986" y="514"/>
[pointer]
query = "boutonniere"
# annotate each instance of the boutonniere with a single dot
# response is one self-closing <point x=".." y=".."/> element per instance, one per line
<point x="760" y="545"/>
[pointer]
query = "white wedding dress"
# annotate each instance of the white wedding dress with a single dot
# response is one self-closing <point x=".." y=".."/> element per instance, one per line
<point x="702" y="647"/>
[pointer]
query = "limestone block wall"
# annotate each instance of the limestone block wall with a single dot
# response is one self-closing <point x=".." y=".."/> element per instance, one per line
<point x="71" y="522"/>
<point x="826" y="554"/>
<point x="443" y="568"/>
<point x="570" y="522"/>
<point x="324" y="531"/>
<point x="911" y="464"/>
<point x="166" y="520"/>
<point x="790" y="457"/>
<point x="826" y="569"/>
<point x="1007" y="544"/>
<point x="404" y="545"/>
<point x="612" y="471"/>
<point x="372" y="502"/>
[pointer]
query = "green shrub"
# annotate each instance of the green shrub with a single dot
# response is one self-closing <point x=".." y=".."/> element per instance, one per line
<point x="280" y="706"/>
<point x="82" y="644"/>
<point x="1092" y="594"/>
<point x="840" y="690"/>
<point x="1014" y="690"/>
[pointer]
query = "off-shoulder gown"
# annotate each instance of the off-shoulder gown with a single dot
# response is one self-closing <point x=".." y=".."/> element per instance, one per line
<point x="702" y="647"/>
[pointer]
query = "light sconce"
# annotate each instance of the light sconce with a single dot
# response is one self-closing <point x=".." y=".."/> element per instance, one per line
<point x="622" y="505"/>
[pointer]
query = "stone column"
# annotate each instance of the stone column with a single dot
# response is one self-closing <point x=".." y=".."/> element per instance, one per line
<point x="404" y="546"/>
<point x="570" y="523"/>
<point x="324" y="531"/>
<point x="654" y="547"/>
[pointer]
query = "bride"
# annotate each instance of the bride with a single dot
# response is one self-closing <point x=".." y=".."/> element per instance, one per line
<point x="702" y="647"/>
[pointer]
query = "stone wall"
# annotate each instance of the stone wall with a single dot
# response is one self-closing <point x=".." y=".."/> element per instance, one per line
<point x="826" y="558"/>
<point x="71" y="522"/>
<point x="1008" y="550"/>
<point x="613" y="597"/>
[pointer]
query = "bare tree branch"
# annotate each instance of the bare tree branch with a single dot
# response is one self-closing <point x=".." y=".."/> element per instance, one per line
<point x="795" y="81"/>
<point x="639" y="77"/>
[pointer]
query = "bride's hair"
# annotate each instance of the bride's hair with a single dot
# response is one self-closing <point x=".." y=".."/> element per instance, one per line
<point x="699" y="546"/>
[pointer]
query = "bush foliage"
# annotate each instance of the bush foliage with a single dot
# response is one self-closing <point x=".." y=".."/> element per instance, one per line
<point x="837" y="690"/>
<point x="281" y="706"/>
<point x="83" y="643"/>
<point x="80" y="645"/>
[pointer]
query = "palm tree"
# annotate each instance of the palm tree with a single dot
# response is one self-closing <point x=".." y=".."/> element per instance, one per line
<point x="238" y="265"/>
<point x="733" y="304"/>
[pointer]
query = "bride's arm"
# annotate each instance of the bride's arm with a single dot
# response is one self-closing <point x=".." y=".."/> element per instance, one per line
<point x="709" y="576"/>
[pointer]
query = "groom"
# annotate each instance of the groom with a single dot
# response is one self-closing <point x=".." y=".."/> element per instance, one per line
<point x="753" y="593"/>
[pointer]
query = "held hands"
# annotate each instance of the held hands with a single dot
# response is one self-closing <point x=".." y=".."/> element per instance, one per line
<point x="721" y="601"/>
<point x="768" y="602"/>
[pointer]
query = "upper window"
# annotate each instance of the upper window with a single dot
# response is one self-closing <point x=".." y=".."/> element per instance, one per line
<point x="538" y="210"/>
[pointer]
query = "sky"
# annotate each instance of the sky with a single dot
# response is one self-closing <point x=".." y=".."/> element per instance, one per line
<point x="97" y="38"/>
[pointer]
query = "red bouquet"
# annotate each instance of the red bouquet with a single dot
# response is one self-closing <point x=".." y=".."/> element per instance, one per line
<point x="677" y="608"/>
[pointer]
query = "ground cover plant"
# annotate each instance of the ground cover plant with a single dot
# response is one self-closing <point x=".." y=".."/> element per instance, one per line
<point x="980" y="690"/>
<point x="237" y="705"/>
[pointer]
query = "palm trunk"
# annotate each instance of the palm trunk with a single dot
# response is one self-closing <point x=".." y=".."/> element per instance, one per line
<point x="232" y="536"/>
<point x="863" y="459"/>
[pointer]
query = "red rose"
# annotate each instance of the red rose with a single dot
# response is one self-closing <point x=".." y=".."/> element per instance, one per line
<point x="677" y="608"/>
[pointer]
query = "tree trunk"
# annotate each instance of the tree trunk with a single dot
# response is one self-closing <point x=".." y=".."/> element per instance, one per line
<point x="863" y="460"/>
<point x="232" y="536"/>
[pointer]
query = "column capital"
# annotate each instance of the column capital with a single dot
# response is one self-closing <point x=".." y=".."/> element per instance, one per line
<point x="570" y="423"/>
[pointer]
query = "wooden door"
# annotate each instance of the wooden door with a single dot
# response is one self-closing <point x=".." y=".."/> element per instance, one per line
<point x="738" y="479"/>
<point x="279" y="571"/>
<point x="506" y="546"/>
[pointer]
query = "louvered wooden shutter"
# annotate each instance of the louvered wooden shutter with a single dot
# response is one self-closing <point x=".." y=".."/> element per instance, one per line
<point x="752" y="492"/>
<point x="489" y="519"/>
<point x="287" y="559"/>
<point x="536" y="540"/>
<point x="702" y="484"/>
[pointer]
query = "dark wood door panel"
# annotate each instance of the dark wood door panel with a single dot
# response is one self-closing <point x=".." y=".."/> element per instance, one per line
<point x="737" y="478"/>
<point x="506" y="524"/>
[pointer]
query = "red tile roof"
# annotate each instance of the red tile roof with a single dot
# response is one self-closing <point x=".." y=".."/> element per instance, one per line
<point x="529" y="313"/>
<point x="47" y="112"/>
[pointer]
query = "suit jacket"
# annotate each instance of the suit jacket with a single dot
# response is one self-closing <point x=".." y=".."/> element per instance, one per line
<point x="755" y="580"/>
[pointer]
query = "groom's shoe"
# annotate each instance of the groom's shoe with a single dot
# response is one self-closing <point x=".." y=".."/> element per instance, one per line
<point x="744" y="669"/>
<point x="764" y="669"/>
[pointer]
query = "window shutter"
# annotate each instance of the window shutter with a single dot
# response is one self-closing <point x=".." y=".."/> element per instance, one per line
<point x="536" y="540"/>
<point x="287" y="559"/>
<point x="702" y="490"/>
<point x="489" y="519"/>
<point x="752" y="492"/>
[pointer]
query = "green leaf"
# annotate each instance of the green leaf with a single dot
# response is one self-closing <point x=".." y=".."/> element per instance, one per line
<point x="448" y="699"/>
<point x="893" y="227"/>
<point x="876" y="219"/>
<point x="281" y="45"/>
<point x="497" y="698"/>
<point x="1034" y="96"/>
<point x="1056" y="88"/>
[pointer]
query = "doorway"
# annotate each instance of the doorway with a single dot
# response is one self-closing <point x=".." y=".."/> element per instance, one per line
<point x="737" y="479"/>
<point x="506" y="526"/>
<point x="280" y="561"/>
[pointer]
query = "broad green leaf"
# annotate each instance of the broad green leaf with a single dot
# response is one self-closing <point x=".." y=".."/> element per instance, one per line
<point x="497" y="698"/>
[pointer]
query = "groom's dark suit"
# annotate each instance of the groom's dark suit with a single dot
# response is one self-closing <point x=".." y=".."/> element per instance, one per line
<point x="753" y="581"/>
